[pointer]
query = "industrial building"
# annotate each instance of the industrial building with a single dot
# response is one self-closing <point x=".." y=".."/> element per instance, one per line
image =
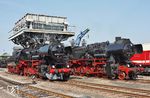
<point x="40" y="29"/>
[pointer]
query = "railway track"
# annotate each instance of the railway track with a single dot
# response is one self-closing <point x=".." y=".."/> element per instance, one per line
<point x="132" y="81"/>
<point x="142" y="81"/>
<point x="129" y="92"/>
<point x="29" y="91"/>
<point x="34" y="92"/>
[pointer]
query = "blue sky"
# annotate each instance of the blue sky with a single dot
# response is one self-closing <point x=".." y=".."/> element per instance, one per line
<point x="105" y="18"/>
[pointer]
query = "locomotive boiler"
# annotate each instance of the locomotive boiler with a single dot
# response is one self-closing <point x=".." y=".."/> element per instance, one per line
<point x="46" y="61"/>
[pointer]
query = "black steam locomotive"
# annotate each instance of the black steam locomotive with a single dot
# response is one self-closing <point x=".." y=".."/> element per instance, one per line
<point x="106" y="59"/>
<point x="118" y="58"/>
<point x="46" y="61"/>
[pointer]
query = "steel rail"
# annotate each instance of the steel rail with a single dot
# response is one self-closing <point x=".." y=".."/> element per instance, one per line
<point x="111" y="89"/>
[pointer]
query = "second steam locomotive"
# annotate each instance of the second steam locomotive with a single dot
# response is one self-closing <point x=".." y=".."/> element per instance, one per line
<point x="106" y="59"/>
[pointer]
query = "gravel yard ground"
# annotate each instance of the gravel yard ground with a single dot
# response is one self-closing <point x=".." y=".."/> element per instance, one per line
<point x="144" y="77"/>
<point x="64" y="88"/>
<point x="13" y="77"/>
<point x="4" y="94"/>
<point x="3" y="90"/>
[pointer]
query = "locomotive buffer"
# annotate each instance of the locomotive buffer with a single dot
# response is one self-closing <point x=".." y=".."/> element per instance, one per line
<point x="35" y="29"/>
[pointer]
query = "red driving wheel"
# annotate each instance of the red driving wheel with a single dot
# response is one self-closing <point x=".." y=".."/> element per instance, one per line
<point x="121" y="75"/>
